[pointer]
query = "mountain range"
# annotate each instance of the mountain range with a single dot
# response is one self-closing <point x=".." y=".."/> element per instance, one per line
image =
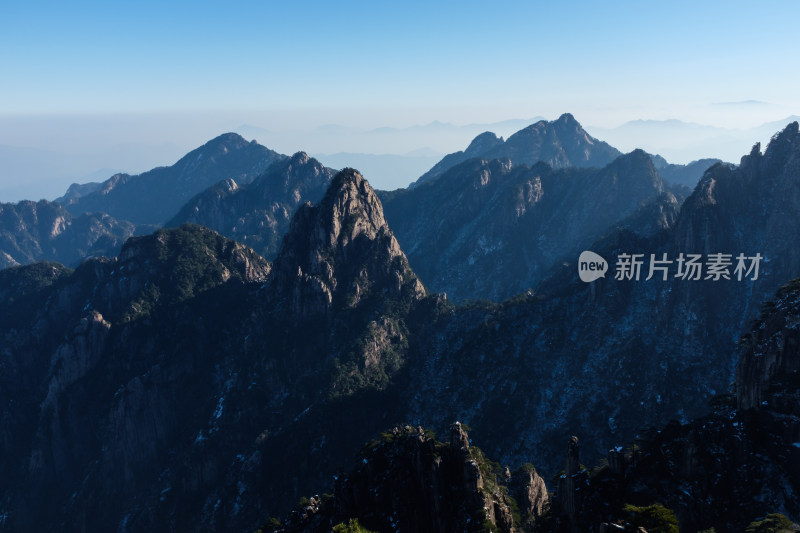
<point x="191" y="384"/>
<point x="261" y="213"/>
<point x="489" y="229"/>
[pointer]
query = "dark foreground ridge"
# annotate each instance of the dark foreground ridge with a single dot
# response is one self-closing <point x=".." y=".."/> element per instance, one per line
<point x="735" y="468"/>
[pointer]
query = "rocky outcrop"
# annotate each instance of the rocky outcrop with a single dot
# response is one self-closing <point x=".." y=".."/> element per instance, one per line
<point x="45" y="231"/>
<point x="480" y="145"/>
<point x="768" y="373"/>
<point x="341" y="253"/>
<point x="258" y="214"/>
<point x="408" y="481"/>
<point x="528" y="488"/>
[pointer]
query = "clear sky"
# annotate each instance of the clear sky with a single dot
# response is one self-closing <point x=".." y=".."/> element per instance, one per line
<point x="284" y="65"/>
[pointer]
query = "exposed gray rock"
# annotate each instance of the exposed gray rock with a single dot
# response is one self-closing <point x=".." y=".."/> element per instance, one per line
<point x="258" y="214"/>
<point x="45" y="231"/>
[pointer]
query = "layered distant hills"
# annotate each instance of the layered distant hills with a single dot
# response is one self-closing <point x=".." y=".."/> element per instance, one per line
<point x="240" y="189"/>
<point x="206" y="377"/>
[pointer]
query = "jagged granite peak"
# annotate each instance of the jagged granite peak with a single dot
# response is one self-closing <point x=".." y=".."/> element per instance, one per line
<point x="342" y="249"/>
<point x="482" y="143"/>
<point x="76" y="190"/>
<point x="561" y="143"/>
<point x="154" y="196"/>
<point x="765" y="187"/>
<point x="406" y="480"/>
<point x="631" y="172"/>
<point x="782" y="151"/>
<point x="258" y="214"/>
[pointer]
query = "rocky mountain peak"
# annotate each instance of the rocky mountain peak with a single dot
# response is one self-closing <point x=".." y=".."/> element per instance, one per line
<point x="783" y="149"/>
<point x="561" y="143"/>
<point x="351" y="209"/>
<point x="483" y="142"/>
<point x="154" y="196"/>
<point x="408" y="481"/>
<point x="226" y="141"/>
<point x="300" y="158"/>
<point x="148" y="266"/>
<point x="342" y="249"/>
<point x="566" y="119"/>
<point x="638" y="169"/>
<point x="298" y="176"/>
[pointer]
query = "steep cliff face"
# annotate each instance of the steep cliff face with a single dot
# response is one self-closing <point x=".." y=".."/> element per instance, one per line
<point x="737" y="462"/>
<point x="487" y="230"/>
<point x="768" y="373"/>
<point x="258" y="214"/>
<point x="408" y="481"/>
<point x="154" y="196"/>
<point x="45" y="231"/>
<point x="342" y="252"/>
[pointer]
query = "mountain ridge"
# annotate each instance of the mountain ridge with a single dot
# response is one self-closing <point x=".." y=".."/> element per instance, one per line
<point x="153" y="196"/>
<point x="258" y="213"/>
<point x="560" y="143"/>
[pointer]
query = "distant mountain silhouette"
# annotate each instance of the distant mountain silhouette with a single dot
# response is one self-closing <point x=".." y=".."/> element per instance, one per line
<point x="156" y="195"/>
<point x="561" y="143"/>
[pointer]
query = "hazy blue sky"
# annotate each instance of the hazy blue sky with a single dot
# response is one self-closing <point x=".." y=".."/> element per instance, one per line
<point x="181" y="72"/>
